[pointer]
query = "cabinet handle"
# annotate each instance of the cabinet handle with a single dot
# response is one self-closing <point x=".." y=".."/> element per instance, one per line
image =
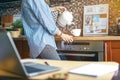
<point x="105" y="51"/>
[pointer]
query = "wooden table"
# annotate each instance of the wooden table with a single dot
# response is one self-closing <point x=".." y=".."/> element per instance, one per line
<point x="68" y="65"/>
<point x="65" y="67"/>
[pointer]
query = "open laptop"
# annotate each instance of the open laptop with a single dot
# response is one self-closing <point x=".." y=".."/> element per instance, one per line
<point x="10" y="59"/>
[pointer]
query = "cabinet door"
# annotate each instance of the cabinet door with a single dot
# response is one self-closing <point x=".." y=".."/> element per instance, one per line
<point x="113" y="51"/>
<point x="116" y="55"/>
<point x="22" y="47"/>
<point x="25" y="49"/>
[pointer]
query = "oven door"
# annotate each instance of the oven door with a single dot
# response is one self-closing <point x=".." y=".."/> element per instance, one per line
<point x="79" y="55"/>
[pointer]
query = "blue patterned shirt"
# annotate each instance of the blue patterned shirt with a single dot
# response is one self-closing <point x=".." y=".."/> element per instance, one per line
<point x="39" y="25"/>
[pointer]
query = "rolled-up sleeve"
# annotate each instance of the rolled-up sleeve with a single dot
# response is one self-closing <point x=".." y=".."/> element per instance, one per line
<point x="43" y="14"/>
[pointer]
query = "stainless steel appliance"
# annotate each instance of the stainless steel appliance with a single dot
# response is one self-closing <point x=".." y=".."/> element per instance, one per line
<point x="81" y="50"/>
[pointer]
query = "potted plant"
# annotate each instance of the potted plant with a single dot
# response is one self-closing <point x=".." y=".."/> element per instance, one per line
<point x="17" y="28"/>
<point x="17" y="25"/>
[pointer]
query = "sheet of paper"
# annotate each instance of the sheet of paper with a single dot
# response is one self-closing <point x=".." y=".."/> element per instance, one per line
<point x="94" y="70"/>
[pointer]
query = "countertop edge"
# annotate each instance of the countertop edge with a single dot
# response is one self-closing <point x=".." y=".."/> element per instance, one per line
<point x="93" y="38"/>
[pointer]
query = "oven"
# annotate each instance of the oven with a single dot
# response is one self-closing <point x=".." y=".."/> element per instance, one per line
<point x="81" y="50"/>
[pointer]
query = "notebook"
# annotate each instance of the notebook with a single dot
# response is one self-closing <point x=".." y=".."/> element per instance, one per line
<point x="94" y="70"/>
<point x="10" y="59"/>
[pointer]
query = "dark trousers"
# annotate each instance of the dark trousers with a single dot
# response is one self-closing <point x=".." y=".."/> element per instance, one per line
<point x="49" y="52"/>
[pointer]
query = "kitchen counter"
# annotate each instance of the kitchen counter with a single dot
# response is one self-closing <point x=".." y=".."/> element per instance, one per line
<point x="111" y="46"/>
<point x="82" y="38"/>
<point x="95" y="38"/>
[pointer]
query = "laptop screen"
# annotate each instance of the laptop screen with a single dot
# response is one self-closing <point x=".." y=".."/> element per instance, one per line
<point x="9" y="56"/>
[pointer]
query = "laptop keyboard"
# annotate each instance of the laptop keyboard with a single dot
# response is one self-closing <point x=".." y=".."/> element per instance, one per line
<point x="30" y="69"/>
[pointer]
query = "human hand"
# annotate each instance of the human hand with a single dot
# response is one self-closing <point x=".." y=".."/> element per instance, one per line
<point x="58" y="8"/>
<point x="67" y="38"/>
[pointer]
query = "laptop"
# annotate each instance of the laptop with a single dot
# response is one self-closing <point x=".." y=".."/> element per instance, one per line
<point x="10" y="59"/>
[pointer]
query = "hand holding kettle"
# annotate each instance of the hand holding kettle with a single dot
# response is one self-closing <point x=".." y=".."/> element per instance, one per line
<point x="62" y="17"/>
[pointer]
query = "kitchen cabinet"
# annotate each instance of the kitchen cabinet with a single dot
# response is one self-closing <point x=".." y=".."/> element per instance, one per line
<point x="22" y="47"/>
<point x="111" y="44"/>
<point x="112" y="50"/>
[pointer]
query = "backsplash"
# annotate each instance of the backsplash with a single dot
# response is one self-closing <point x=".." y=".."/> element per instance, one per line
<point x="76" y="7"/>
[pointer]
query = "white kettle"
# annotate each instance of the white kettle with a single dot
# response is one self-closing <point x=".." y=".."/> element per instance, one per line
<point x="65" y="18"/>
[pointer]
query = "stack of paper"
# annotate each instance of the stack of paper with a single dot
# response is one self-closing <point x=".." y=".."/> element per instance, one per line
<point x="94" y="70"/>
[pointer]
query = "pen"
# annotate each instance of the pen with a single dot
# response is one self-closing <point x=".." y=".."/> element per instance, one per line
<point x="46" y="63"/>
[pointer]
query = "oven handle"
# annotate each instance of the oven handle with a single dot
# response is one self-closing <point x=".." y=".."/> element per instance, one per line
<point x="83" y="55"/>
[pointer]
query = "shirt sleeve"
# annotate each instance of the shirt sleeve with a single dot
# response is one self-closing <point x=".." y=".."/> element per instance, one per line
<point x="43" y="14"/>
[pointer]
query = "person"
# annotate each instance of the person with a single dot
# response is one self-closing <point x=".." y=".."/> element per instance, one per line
<point x="40" y="29"/>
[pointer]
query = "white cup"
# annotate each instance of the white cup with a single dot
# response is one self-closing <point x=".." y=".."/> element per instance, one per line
<point x="76" y="32"/>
